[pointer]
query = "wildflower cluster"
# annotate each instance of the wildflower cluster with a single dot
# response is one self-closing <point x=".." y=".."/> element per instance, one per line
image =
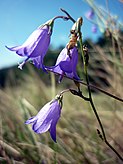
<point x="35" y="49"/>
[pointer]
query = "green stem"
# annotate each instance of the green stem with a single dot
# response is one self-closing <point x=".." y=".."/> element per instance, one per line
<point x="92" y="103"/>
<point x="73" y="20"/>
<point x="89" y="88"/>
<point x="81" y="48"/>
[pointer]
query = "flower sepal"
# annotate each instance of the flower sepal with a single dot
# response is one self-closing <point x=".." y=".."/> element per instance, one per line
<point x="50" y="24"/>
<point x="59" y="98"/>
<point x="77" y="25"/>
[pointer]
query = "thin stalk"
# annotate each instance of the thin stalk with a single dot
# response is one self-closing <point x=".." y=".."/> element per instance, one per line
<point x="95" y="111"/>
<point x="62" y="17"/>
<point x="89" y="90"/>
<point x="81" y="47"/>
<point x="98" y="119"/>
<point x="90" y="85"/>
<point x="93" y="107"/>
<point x="65" y="90"/>
<point x="53" y="85"/>
<point x="64" y="11"/>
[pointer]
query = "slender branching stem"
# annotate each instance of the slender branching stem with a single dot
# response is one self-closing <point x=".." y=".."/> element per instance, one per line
<point x="90" y="85"/>
<point x="64" y="11"/>
<point x="99" y="120"/>
<point x="103" y="136"/>
<point x="89" y="91"/>
<point x="79" y="93"/>
<point x="65" y="90"/>
<point x="62" y="17"/>
<point x="81" y="48"/>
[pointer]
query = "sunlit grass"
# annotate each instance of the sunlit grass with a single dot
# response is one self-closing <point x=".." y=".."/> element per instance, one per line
<point x="77" y="139"/>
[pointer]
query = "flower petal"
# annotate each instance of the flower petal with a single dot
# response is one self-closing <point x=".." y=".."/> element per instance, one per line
<point x="19" y="50"/>
<point x="66" y="63"/>
<point x="42" y="128"/>
<point x="66" y="66"/>
<point x="53" y="128"/>
<point x="62" y="56"/>
<point x="35" y="46"/>
<point x="30" y="120"/>
<point x="40" y="46"/>
<point x="45" y="117"/>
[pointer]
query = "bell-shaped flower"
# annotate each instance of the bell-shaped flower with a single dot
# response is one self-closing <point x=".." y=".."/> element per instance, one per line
<point x="66" y="63"/>
<point x="36" y="46"/>
<point x="47" y="117"/>
<point x="90" y="14"/>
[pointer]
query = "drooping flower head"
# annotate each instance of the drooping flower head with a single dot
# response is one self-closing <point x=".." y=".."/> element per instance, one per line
<point x="66" y="63"/>
<point x="36" y="46"/>
<point x="47" y="117"/>
<point x="68" y="58"/>
<point x="90" y="14"/>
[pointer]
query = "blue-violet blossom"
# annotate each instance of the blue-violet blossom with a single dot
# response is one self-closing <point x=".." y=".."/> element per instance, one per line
<point x="66" y="63"/>
<point x="94" y="28"/>
<point x="47" y="117"/>
<point x="36" y="46"/>
<point x="90" y="14"/>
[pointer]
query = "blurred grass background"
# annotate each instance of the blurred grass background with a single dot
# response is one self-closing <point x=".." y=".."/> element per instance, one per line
<point x="23" y="93"/>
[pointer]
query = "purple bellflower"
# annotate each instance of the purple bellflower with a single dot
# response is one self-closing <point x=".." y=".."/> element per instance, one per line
<point x="94" y="28"/>
<point x="66" y="63"/>
<point x="90" y="14"/>
<point x="36" y="46"/>
<point x="47" y="117"/>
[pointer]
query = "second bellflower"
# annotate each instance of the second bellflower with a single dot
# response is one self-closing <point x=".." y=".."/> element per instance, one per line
<point x="66" y="63"/>
<point x="36" y="46"/>
<point x="90" y="14"/>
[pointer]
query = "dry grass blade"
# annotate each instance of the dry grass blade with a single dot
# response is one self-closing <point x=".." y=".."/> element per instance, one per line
<point x="10" y="150"/>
